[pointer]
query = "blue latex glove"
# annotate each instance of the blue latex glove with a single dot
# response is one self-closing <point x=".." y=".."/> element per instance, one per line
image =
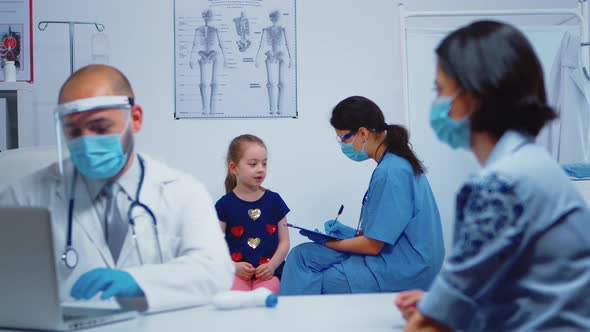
<point x="336" y="228"/>
<point x="314" y="237"/>
<point x="111" y="282"/>
<point x="580" y="170"/>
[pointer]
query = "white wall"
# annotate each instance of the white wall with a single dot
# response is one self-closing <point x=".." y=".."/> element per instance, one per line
<point x="336" y="58"/>
<point x="344" y="47"/>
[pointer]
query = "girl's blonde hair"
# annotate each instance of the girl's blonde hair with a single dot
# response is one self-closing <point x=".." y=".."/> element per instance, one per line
<point x="234" y="153"/>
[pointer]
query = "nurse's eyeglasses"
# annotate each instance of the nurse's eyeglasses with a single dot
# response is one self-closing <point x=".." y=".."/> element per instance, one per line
<point x="345" y="137"/>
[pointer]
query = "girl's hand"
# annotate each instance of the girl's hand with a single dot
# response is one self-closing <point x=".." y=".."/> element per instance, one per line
<point x="244" y="270"/>
<point x="406" y="302"/>
<point x="265" y="271"/>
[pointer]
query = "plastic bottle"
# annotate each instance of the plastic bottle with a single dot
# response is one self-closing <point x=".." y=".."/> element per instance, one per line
<point x="9" y="71"/>
<point x="260" y="297"/>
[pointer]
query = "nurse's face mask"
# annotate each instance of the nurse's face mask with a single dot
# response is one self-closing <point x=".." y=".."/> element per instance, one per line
<point x="348" y="148"/>
<point x="94" y="129"/>
<point x="456" y="134"/>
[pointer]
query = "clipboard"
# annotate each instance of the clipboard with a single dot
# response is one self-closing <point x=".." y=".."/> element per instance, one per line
<point x="330" y="237"/>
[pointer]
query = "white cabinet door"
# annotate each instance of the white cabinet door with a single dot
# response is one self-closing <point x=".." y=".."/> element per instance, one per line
<point x="3" y="124"/>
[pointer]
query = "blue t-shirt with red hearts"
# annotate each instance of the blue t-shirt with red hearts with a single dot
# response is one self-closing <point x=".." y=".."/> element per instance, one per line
<point x="252" y="227"/>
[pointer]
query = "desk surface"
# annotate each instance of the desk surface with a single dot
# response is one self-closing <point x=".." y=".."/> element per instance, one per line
<point x="358" y="312"/>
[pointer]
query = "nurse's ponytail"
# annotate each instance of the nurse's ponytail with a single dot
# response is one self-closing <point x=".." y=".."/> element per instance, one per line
<point x="235" y="152"/>
<point x="397" y="141"/>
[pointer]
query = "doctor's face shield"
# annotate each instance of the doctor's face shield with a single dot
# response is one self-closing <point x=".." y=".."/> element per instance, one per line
<point x="97" y="134"/>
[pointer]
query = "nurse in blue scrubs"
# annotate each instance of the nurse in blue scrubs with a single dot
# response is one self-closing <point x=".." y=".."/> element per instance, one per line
<point x="398" y="243"/>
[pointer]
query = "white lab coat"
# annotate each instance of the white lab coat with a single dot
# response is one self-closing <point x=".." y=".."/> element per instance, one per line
<point x="567" y="138"/>
<point x="196" y="258"/>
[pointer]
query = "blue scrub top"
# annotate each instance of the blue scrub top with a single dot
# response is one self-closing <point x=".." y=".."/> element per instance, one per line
<point x="399" y="209"/>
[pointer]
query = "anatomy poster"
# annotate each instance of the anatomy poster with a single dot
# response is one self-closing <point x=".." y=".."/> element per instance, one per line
<point x="15" y="37"/>
<point x="235" y="59"/>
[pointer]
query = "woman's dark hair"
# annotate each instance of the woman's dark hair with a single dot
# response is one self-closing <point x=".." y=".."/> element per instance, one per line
<point x="496" y="63"/>
<point x="355" y="112"/>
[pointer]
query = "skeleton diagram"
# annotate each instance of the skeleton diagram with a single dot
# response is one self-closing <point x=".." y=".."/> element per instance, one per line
<point x="204" y="54"/>
<point x="273" y="42"/>
<point x="243" y="30"/>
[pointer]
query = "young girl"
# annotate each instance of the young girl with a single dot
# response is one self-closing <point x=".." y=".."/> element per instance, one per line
<point x="252" y="217"/>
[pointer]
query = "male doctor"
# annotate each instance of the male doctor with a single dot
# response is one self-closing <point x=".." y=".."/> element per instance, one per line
<point x="125" y="225"/>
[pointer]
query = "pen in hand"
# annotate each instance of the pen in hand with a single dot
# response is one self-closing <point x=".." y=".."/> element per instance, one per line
<point x="339" y="212"/>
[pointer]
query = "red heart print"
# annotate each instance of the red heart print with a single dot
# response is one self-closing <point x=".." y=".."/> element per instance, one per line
<point x="271" y="229"/>
<point x="263" y="260"/>
<point x="237" y="231"/>
<point x="236" y="256"/>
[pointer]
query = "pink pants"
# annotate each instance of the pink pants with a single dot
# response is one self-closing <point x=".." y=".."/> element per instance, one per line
<point x="246" y="285"/>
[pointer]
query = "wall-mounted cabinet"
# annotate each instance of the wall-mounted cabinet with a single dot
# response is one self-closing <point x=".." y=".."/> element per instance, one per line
<point x="17" y="119"/>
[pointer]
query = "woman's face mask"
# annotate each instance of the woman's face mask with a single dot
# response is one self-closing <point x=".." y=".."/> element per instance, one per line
<point x="456" y="134"/>
<point x="353" y="154"/>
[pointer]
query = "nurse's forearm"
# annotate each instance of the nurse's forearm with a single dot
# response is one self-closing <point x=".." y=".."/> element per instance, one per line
<point x="358" y="245"/>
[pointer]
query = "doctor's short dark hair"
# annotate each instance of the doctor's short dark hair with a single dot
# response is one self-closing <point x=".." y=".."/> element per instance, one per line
<point x="355" y="112"/>
<point x="496" y="64"/>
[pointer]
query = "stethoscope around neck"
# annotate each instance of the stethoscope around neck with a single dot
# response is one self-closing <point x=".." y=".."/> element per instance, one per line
<point x="70" y="255"/>
<point x="366" y="196"/>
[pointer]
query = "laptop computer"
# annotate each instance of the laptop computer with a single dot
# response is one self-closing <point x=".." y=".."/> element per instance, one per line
<point x="29" y="296"/>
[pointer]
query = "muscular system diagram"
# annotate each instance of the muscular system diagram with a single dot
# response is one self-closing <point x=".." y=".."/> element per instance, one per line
<point x="273" y="44"/>
<point x="205" y="56"/>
